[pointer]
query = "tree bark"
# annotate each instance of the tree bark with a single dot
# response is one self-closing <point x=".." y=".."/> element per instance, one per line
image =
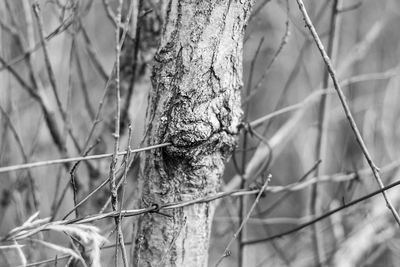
<point x="195" y="105"/>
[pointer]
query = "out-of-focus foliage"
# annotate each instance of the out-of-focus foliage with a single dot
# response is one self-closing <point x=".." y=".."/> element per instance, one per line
<point x="82" y="56"/>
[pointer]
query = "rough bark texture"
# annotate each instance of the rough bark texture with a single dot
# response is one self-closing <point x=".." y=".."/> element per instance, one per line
<point x="195" y="104"/>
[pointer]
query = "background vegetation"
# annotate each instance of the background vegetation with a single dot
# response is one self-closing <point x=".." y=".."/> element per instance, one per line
<point x="283" y="87"/>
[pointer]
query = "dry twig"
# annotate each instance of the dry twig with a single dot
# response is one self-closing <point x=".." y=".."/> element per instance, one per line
<point x="346" y="108"/>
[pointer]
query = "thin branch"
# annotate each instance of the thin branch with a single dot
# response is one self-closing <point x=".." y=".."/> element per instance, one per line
<point x="350" y="7"/>
<point x="346" y="108"/>
<point x="92" y="192"/>
<point x="121" y="181"/>
<point x="124" y="176"/>
<point x="24" y="156"/>
<point x="67" y="128"/>
<point x="243" y="201"/>
<point x="114" y="158"/>
<point x="32" y="92"/>
<point x="155" y="208"/>
<point x="124" y="213"/>
<point x="64" y="257"/>
<point x="105" y="181"/>
<point x="110" y="13"/>
<point x="83" y="86"/>
<point x="318" y="93"/>
<point x="258" y="9"/>
<point x="107" y="86"/>
<point x="331" y="178"/>
<point x="284" y="41"/>
<point x="281" y="137"/>
<point x="323" y="216"/>
<point x="73" y="180"/>
<point x="92" y="54"/>
<point x="226" y="251"/>
<point x="63" y="26"/>
<point x="136" y="39"/>
<point x="287" y="193"/>
<point x="322" y="132"/>
<point x="49" y="68"/>
<point x="267" y="221"/>
<point x="9" y="28"/>
<point x="68" y="160"/>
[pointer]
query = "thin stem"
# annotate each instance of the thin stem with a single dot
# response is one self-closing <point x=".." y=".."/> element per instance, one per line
<point x="124" y="176"/>
<point x="68" y="160"/>
<point x="110" y="13"/>
<point x="284" y="41"/>
<point x="346" y="108"/>
<point x="321" y="147"/>
<point x="49" y="68"/>
<point x="61" y="28"/>
<point x="108" y="81"/>
<point x="313" y="97"/>
<point x="113" y="188"/>
<point x="92" y="54"/>
<point x="72" y="173"/>
<point x="83" y="86"/>
<point x="281" y="199"/>
<point x="131" y="89"/>
<point x="243" y="201"/>
<point x="24" y="156"/>
<point x="243" y="223"/>
<point x="324" y="216"/>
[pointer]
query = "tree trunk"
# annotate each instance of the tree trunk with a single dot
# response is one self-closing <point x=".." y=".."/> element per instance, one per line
<point x="195" y="105"/>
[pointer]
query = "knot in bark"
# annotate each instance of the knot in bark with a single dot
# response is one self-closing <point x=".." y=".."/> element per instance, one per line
<point x="197" y="128"/>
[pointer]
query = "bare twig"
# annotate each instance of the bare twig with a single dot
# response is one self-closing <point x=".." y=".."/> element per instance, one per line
<point x="316" y="94"/>
<point x="226" y="251"/>
<point x="64" y="257"/>
<point x="350" y="7"/>
<point x="121" y="181"/>
<point x="114" y="158"/>
<point x="9" y="28"/>
<point x="108" y="79"/>
<point x="24" y="156"/>
<point x="126" y="213"/>
<point x="283" y="135"/>
<point x="68" y="160"/>
<point x="61" y="28"/>
<point x="72" y="173"/>
<point x="83" y="86"/>
<point x="324" y="216"/>
<point x="124" y="176"/>
<point x="32" y="92"/>
<point x="93" y="55"/>
<point x="110" y="13"/>
<point x="346" y="108"/>
<point x="135" y="63"/>
<point x="243" y="201"/>
<point x="282" y="44"/>
<point x="322" y="132"/>
<point x="92" y="192"/>
<point x="280" y="200"/>
<point x="49" y="68"/>
<point x="258" y="9"/>
<point x="105" y="181"/>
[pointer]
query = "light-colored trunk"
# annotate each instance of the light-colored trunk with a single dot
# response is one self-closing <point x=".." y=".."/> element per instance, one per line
<point x="195" y="105"/>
